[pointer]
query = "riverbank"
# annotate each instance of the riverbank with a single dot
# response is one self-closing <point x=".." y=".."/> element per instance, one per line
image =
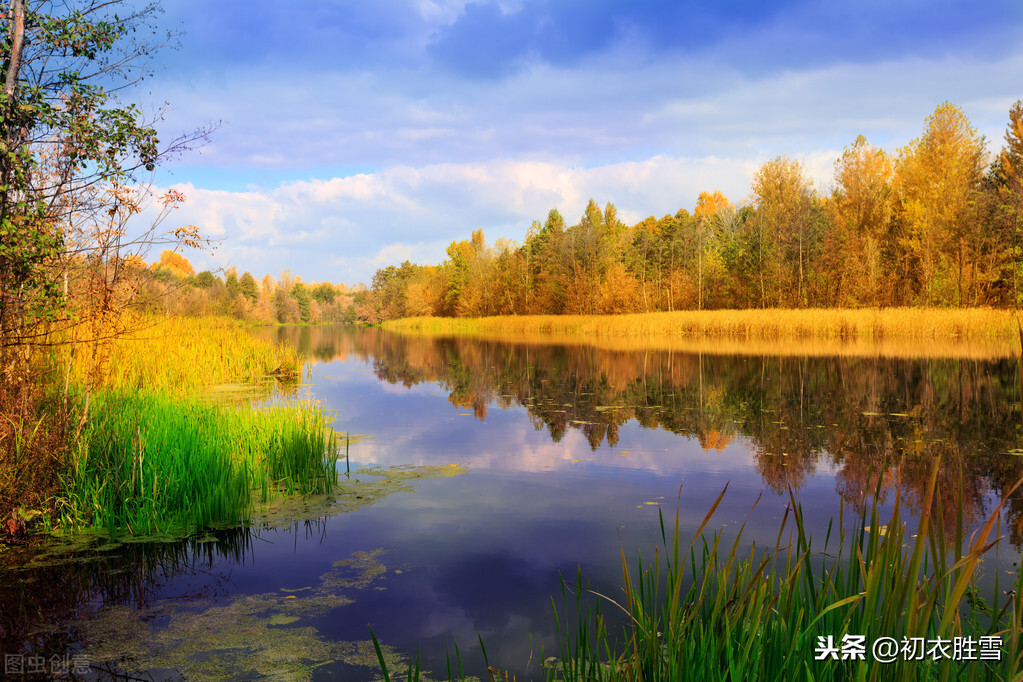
<point x="756" y="324"/>
<point x="133" y="436"/>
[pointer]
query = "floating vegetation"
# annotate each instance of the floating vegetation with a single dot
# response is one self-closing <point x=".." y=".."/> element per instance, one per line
<point x="365" y="486"/>
<point x="251" y="636"/>
<point x="366" y="566"/>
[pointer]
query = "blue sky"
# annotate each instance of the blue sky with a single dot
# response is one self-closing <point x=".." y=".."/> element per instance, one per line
<point x="358" y="134"/>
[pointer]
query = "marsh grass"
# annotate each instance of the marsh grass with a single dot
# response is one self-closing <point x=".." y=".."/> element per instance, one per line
<point x="817" y="323"/>
<point x="153" y="457"/>
<point x="181" y="356"/>
<point x="709" y="611"/>
<point x="857" y="347"/>
<point x="154" y="464"/>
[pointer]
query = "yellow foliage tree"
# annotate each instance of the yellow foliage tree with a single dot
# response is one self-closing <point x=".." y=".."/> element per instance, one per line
<point x="709" y="203"/>
<point x="863" y="202"/>
<point x="938" y="176"/>
<point x="175" y="263"/>
<point x="1010" y="167"/>
<point x="708" y="207"/>
<point x="782" y="196"/>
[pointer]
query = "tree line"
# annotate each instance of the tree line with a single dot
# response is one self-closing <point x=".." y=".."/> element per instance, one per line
<point x="173" y="287"/>
<point x="935" y="224"/>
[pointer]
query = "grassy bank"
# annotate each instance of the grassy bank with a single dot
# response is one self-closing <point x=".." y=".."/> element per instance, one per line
<point x="874" y="324"/>
<point x="141" y="451"/>
<point x="707" y="611"/>
<point x="152" y="463"/>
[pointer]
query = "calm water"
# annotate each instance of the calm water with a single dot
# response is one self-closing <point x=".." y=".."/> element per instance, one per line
<point x="567" y="453"/>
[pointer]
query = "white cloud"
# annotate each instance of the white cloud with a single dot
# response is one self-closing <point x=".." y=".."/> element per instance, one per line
<point x="367" y="221"/>
<point x="601" y="111"/>
<point x="451" y="156"/>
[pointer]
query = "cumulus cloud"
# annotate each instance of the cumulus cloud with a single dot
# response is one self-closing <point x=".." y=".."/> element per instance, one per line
<point x="390" y="129"/>
<point x="344" y="229"/>
<point x="622" y="108"/>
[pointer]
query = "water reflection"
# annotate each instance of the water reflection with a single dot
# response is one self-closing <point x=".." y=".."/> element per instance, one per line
<point x="50" y="586"/>
<point x="856" y="416"/>
<point x="564" y="453"/>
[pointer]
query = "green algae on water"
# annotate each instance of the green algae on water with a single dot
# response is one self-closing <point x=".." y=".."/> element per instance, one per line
<point x="252" y="636"/>
<point x="366" y="486"/>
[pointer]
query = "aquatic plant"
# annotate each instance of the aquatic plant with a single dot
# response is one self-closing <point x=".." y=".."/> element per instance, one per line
<point x="151" y="463"/>
<point x="799" y="611"/>
<point x="268" y="635"/>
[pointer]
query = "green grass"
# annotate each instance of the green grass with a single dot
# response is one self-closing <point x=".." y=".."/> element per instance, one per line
<point x="706" y="611"/>
<point x="115" y="437"/>
<point x="150" y="463"/>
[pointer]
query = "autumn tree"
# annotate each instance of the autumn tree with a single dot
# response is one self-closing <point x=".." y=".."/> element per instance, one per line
<point x="67" y="144"/>
<point x="71" y="156"/>
<point x="510" y="278"/>
<point x="671" y="234"/>
<point x="174" y="263"/>
<point x="710" y="212"/>
<point x="1007" y="189"/>
<point x="476" y="271"/>
<point x="863" y="200"/>
<point x="782" y="195"/>
<point x="582" y="258"/>
<point x="644" y="245"/>
<point x="938" y="176"/>
<point x="425" y="295"/>
<point x="740" y="251"/>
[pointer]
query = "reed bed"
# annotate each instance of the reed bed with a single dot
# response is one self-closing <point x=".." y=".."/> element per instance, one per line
<point x="893" y="347"/>
<point x="702" y="614"/>
<point x="155" y="456"/>
<point x="151" y="463"/>
<point x="182" y="355"/>
<point x="875" y="324"/>
<point x="710" y="612"/>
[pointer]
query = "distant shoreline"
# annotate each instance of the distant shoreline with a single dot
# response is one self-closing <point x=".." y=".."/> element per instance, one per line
<point x="933" y="332"/>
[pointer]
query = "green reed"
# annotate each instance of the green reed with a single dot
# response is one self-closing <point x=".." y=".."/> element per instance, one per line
<point x="709" y="611"/>
<point x="151" y="463"/>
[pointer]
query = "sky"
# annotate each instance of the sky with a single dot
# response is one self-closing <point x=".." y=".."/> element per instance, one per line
<point x="352" y="135"/>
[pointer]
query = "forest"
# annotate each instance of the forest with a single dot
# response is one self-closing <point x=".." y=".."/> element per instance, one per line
<point x="936" y="223"/>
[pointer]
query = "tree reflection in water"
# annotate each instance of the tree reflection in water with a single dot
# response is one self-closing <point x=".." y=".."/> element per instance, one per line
<point x="862" y="410"/>
<point x="51" y="585"/>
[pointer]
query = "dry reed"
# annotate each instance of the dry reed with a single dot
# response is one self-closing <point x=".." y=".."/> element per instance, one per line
<point x="894" y="332"/>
